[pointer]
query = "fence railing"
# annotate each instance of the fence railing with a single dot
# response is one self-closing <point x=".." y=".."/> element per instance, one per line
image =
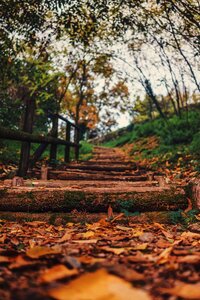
<point x="26" y="160"/>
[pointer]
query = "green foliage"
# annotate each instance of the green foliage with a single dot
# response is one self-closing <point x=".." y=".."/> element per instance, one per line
<point x="119" y="141"/>
<point x="86" y="150"/>
<point x="86" y="147"/>
<point x="195" y="145"/>
<point x="176" y="138"/>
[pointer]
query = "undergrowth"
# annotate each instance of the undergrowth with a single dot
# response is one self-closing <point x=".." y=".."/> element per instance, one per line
<point x="176" y="138"/>
<point x="10" y="151"/>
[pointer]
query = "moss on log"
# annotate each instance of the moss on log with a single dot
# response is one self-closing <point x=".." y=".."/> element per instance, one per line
<point x="92" y="200"/>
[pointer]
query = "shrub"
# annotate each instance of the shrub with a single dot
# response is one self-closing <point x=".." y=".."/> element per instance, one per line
<point x="195" y="145"/>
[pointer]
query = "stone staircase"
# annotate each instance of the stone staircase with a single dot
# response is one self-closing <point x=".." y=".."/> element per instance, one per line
<point x="84" y="190"/>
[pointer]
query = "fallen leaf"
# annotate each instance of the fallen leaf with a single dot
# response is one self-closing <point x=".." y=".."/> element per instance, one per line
<point x="38" y="251"/>
<point x="189" y="234"/>
<point x="190" y="259"/>
<point x="20" y="262"/>
<point x="90" y="260"/>
<point x="32" y="243"/>
<point x="3" y="238"/>
<point x="140" y="247"/>
<point x="57" y="272"/>
<point x="66" y="237"/>
<point x="15" y="241"/>
<point x="146" y="237"/>
<point x="164" y="255"/>
<point x="35" y="223"/>
<point x="99" y="285"/>
<point x="158" y="225"/>
<point x="184" y="290"/>
<point x="4" y="259"/>
<point x="124" y="228"/>
<point x="127" y="273"/>
<point x="190" y="206"/>
<point x="116" y="251"/>
<point x="92" y="241"/>
<point x="88" y="234"/>
<point x="121" y="215"/>
<point x="167" y="234"/>
<point x="110" y="213"/>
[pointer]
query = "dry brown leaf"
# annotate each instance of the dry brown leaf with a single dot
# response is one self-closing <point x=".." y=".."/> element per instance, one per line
<point x="35" y="223"/>
<point x="124" y="228"/>
<point x="127" y="273"/>
<point x="158" y="225"/>
<point x="57" y="272"/>
<point x="184" y="290"/>
<point x="137" y="232"/>
<point x="3" y="238"/>
<point x="110" y="213"/>
<point x="190" y="259"/>
<point x="190" y="206"/>
<point x="20" y="262"/>
<point x="32" y="243"/>
<point x="103" y="223"/>
<point x="66" y="237"/>
<point x="88" y="234"/>
<point x="121" y="215"/>
<point x="198" y="217"/>
<point x="189" y="234"/>
<point x="140" y="247"/>
<point x="38" y="251"/>
<point x="92" y="241"/>
<point x="99" y="286"/>
<point x="4" y="259"/>
<point x="167" y="234"/>
<point x="164" y="255"/>
<point x="116" y="251"/>
<point x="90" y="260"/>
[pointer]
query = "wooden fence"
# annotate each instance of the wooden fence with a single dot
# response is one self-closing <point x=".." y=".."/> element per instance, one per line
<point x="27" y="137"/>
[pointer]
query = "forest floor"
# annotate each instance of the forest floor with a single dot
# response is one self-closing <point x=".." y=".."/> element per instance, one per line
<point x="118" y="256"/>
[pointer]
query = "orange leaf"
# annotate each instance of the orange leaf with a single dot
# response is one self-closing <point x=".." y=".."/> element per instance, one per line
<point x="2" y="238"/>
<point x="37" y="251"/>
<point x="57" y="272"/>
<point x="190" y="206"/>
<point x="110" y="213"/>
<point x="99" y="285"/>
<point x="67" y="236"/>
<point x="183" y="290"/>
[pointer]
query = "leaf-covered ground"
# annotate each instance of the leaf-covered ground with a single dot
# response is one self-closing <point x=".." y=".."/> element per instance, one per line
<point x="103" y="260"/>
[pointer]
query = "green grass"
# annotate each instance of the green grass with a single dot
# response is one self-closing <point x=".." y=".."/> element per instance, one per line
<point x="177" y="138"/>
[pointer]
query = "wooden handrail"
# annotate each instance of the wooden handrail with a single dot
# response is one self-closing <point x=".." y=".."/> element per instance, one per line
<point x="18" y="135"/>
<point x="64" y="119"/>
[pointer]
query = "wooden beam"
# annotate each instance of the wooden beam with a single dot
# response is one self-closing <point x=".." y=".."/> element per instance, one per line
<point x="18" y="135"/>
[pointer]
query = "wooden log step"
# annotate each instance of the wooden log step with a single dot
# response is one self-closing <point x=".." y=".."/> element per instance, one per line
<point x="116" y="168"/>
<point x="106" y="162"/>
<point x="163" y="217"/>
<point x="95" y="176"/>
<point x="86" y="183"/>
<point x="92" y="199"/>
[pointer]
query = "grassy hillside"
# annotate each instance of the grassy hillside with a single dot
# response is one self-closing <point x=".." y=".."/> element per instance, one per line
<point x="174" y="143"/>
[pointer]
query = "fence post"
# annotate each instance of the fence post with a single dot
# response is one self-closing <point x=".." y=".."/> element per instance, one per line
<point x="26" y="146"/>
<point x="53" y="148"/>
<point x="76" y="140"/>
<point x="67" y="147"/>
